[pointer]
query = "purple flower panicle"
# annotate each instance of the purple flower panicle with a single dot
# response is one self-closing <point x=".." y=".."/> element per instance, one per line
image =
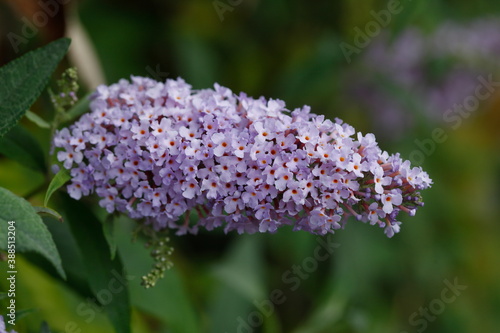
<point x="158" y="151"/>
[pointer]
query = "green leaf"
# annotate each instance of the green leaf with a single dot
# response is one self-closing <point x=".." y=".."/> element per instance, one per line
<point x="106" y="277"/>
<point x="241" y="283"/>
<point x="242" y="270"/>
<point x="79" y="108"/>
<point x="33" y="117"/>
<point x="326" y="315"/>
<point x="59" y="180"/>
<point x="49" y="212"/>
<point x="108" y="228"/>
<point x="71" y="257"/>
<point x="19" y="145"/>
<point x="24" y="79"/>
<point x="169" y="300"/>
<point x="30" y="232"/>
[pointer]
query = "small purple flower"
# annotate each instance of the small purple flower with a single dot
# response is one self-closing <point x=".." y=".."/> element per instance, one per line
<point x="2" y="326"/>
<point x="390" y="200"/>
<point x="69" y="156"/>
<point x="156" y="151"/>
<point x="379" y="179"/>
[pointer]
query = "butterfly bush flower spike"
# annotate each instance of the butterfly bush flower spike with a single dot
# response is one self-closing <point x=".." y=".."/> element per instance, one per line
<point x="159" y="151"/>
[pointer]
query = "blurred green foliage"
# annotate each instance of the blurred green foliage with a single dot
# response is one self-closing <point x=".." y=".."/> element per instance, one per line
<point x="290" y="50"/>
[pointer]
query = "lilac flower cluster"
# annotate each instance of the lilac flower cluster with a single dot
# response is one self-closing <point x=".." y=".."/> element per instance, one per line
<point x="423" y="73"/>
<point x="158" y="151"/>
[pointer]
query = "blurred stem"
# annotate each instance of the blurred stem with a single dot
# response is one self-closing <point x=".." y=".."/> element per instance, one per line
<point x="58" y="118"/>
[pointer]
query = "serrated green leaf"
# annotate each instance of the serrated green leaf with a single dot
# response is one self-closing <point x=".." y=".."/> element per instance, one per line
<point x="24" y="79"/>
<point x="19" y="145"/>
<point x="49" y="212"/>
<point x="39" y="121"/>
<point x="79" y="108"/>
<point x="31" y="233"/>
<point x="104" y="274"/>
<point x="59" y="180"/>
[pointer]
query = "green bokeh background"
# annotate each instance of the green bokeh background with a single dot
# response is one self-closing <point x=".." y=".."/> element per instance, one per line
<point x="290" y="50"/>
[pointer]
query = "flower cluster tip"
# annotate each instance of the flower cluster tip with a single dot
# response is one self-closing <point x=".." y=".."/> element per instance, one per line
<point x="159" y="150"/>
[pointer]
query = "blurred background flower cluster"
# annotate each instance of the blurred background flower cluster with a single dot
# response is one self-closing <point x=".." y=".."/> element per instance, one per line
<point x="407" y="84"/>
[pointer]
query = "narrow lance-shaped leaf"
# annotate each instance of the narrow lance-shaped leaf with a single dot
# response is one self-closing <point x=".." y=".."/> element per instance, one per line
<point x="48" y="212"/>
<point x="177" y="309"/>
<point x="39" y="121"/>
<point x="71" y="257"/>
<point x="59" y="180"/>
<point x="107" y="278"/>
<point x="240" y="283"/>
<point x="108" y="228"/>
<point x="24" y="79"/>
<point x="31" y="234"/>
